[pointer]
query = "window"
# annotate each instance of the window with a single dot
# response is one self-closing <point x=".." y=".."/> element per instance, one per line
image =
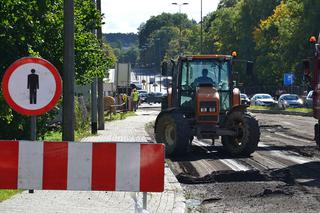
<point x="213" y="71"/>
<point x="217" y="72"/>
<point x="291" y="97"/>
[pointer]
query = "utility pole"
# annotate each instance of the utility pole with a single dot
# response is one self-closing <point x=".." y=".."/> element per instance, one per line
<point x="201" y="30"/>
<point x="94" y="128"/>
<point x="100" y="81"/>
<point x="94" y="105"/>
<point x="68" y="73"/>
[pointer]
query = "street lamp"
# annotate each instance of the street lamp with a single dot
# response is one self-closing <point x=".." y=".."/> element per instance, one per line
<point x="180" y="4"/>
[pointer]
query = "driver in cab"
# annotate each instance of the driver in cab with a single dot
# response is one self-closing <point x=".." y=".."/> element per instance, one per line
<point x="204" y="79"/>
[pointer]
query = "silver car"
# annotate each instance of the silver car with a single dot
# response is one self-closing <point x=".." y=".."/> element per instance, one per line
<point x="289" y="100"/>
<point x="309" y="101"/>
<point x="262" y="99"/>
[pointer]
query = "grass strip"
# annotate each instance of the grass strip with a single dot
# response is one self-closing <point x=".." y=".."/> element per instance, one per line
<point x="6" y="194"/>
<point x="118" y="116"/>
<point x="276" y="108"/>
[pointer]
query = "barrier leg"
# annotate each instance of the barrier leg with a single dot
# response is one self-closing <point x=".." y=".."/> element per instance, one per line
<point x="144" y="199"/>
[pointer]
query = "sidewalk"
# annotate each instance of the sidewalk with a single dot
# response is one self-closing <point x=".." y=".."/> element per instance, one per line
<point x="131" y="129"/>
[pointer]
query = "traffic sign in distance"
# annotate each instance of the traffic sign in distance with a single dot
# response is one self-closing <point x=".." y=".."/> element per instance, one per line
<point x="288" y="79"/>
<point x="31" y="86"/>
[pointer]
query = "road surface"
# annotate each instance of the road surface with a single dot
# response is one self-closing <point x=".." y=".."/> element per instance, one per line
<point x="283" y="175"/>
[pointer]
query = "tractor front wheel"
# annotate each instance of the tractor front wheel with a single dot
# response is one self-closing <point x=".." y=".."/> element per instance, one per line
<point x="172" y="130"/>
<point x="247" y="134"/>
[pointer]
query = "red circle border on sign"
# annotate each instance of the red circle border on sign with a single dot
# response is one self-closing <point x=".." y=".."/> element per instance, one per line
<point x="11" y="102"/>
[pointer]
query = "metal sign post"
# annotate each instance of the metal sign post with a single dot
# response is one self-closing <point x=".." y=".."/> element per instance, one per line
<point x="33" y="134"/>
<point x="33" y="128"/>
<point x="144" y="199"/>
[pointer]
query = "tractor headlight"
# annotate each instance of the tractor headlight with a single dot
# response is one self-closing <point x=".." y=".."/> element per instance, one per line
<point x="207" y="109"/>
<point x="212" y="109"/>
<point x="208" y="106"/>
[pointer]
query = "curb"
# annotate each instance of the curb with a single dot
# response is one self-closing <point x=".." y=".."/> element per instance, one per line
<point x="305" y="114"/>
<point x="179" y="205"/>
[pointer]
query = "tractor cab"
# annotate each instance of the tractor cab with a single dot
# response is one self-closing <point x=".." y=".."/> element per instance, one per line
<point x="210" y="72"/>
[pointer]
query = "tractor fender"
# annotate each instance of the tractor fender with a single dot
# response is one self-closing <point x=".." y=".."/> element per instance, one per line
<point x="165" y="111"/>
<point x="242" y="108"/>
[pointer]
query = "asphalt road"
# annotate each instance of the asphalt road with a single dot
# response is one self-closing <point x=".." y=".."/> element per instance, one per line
<point x="283" y="175"/>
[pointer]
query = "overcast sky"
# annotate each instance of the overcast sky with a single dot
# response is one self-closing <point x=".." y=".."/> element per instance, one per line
<point x="126" y="15"/>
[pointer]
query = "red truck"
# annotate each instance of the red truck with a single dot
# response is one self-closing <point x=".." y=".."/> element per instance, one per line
<point x="314" y="63"/>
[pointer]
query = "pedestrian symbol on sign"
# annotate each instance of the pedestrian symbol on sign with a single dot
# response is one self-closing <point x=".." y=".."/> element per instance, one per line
<point x="33" y="86"/>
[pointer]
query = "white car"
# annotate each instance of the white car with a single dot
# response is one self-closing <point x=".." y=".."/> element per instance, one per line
<point x="262" y="100"/>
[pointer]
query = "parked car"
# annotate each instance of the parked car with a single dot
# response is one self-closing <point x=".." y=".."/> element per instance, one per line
<point x="289" y="100"/>
<point x="142" y="91"/>
<point x="136" y="85"/>
<point x="143" y="97"/>
<point x="154" y="97"/>
<point x="244" y="99"/>
<point x="309" y="101"/>
<point x="262" y="100"/>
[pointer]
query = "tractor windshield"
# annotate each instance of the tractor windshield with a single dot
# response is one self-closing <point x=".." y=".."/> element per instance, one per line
<point x="211" y="71"/>
<point x="205" y="71"/>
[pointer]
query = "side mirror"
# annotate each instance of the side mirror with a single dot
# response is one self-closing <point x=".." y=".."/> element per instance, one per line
<point x="249" y="69"/>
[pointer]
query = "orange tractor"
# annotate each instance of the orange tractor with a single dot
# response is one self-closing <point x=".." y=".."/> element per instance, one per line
<point x="314" y="81"/>
<point x="203" y="102"/>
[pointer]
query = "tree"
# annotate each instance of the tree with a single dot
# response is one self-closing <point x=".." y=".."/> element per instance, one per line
<point x="162" y="37"/>
<point x="35" y="28"/>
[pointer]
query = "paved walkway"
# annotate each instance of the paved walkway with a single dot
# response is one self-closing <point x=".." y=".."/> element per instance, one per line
<point x="128" y="130"/>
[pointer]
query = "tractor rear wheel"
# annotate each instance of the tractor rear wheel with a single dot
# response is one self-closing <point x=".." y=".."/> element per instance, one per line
<point x="172" y="130"/>
<point x="248" y="134"/>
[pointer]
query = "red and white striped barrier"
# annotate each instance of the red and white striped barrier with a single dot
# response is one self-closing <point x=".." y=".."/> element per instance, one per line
<point x="134" y="167"/>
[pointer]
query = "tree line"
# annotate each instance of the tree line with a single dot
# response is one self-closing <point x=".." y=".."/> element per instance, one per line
<point x="35" y="28"/>
<point x="272" y="34"/>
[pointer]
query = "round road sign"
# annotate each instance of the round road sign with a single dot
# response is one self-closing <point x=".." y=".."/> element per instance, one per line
<point x="31" y="86"/>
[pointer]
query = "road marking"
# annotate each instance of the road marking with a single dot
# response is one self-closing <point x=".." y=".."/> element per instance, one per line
<point x="288" y="123"/>
<point x="260" y="144"/>
<point x="287" y="156"/>
<point x="288" y="137"/>
<point x="291" y="156"/>
<point x="291" y="137"/>
<point x="232" y="164"/>
<point x="268" y="160"/>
